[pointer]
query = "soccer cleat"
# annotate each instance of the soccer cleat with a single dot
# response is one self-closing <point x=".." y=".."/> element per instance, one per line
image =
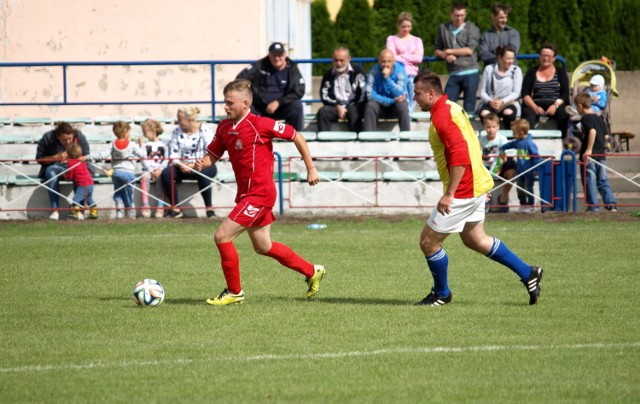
<point x="533" y="284"/>
<point x="433" y="299"/>
<point x="314" y="281"/>
<point x="226" y="298"/>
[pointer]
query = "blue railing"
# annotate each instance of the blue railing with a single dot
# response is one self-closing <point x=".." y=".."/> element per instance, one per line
<point x="212" y="67"/>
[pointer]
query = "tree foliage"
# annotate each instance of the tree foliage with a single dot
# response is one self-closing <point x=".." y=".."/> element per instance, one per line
<point x="323" y="34"/>
<point x="581" y="29"/>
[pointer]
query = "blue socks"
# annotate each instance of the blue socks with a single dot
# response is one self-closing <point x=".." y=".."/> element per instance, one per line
<point x="502" y="254"/>
<point x="438" y="265"/>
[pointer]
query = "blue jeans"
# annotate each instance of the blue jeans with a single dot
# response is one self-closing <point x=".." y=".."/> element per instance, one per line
<point x="525" y="182"/>
<point x="82" y="195"/>
<point x="467" y="83"/>
<point x="594" y="178"/>
<point x="122" y="179"/>
<point x="410" y="93"/>
<point x="51" y="171"/>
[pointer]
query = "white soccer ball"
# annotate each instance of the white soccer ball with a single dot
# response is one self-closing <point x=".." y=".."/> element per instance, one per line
<point x="148" y="292"/>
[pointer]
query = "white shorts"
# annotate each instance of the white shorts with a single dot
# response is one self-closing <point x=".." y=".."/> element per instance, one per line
<point x="463" y="211"/>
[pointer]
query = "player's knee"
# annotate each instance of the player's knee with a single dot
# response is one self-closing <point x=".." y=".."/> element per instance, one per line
<point x="428" y="247"/>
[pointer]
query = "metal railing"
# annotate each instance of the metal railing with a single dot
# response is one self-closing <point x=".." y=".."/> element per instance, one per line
<point x="212" y="101"/>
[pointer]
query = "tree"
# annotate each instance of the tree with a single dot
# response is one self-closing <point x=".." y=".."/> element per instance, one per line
<point x="559" y="23"/>
<point x="354" y="28"/>
<point x="626" y="53"/>
<point x="597" y="21"/>
<point x="323" y="34"/>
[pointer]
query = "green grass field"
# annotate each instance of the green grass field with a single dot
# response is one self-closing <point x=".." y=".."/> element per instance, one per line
<point x="71" y="332"/>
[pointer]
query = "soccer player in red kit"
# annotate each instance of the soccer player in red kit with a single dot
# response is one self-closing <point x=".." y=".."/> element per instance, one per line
<point x="247" y="138"/>
<point x="461" y="209"/>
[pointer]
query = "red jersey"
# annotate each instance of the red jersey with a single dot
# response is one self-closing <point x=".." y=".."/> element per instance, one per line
<point x="454" y="143"/>
<point x="78" y="173"/>
<point x="251" y="153"/>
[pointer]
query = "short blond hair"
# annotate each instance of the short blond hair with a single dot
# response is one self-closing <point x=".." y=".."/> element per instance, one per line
<point x="190" y="112"/>
<point x="152" y="125"/>
<point x="520" y="126"/>
<point x="74" y="150"/>
<point x="241" y="86"/>
<point x="120" y="128"/>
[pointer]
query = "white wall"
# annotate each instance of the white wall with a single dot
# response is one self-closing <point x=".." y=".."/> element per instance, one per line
<point x="135" y="30"/>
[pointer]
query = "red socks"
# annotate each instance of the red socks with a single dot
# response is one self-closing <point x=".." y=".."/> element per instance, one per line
<point x="287" y="257"/>
<point x="230" y="266"/>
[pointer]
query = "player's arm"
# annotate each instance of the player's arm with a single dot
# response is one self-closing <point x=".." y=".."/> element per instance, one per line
<point x="205" y="162"/>
<point x="591" y="139"/>
<point x="312" y="174"/>
<point x="455" y="176"/>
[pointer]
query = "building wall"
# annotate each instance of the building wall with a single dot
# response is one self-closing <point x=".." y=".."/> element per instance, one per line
<point x="131" y="30"/>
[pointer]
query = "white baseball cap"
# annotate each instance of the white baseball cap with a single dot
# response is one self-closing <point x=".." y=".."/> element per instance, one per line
<point x="597" y="80"/>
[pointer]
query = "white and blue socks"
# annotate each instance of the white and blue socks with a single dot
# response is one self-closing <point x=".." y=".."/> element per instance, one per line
<point x="438" y="265"/>
<point x="502" y="254"/>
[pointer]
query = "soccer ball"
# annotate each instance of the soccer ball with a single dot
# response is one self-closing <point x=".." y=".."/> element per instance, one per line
<point x="148" y="292"/>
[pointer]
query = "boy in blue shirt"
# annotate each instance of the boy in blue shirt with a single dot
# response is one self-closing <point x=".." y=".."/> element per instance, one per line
<point x="527" y="157"/>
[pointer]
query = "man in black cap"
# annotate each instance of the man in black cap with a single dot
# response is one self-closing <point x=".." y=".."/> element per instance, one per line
<point x="277" y="86"/>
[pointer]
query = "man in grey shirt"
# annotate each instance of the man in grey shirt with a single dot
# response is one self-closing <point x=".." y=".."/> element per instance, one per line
<point x="500" y="34"/>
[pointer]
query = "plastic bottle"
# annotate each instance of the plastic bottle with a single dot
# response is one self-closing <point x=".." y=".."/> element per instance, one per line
<point x="316" y="226"/>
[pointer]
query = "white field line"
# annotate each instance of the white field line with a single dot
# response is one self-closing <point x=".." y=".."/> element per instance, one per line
<point x="316" y="356"/>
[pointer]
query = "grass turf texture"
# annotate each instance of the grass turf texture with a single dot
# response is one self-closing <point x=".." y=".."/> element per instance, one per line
<point x="70" y="331"/>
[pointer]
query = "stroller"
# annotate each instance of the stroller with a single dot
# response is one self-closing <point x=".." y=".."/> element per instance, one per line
<point x="580" y="82"/>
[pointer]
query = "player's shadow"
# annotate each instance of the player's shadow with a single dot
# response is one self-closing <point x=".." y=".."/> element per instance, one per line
<point x="366" y="301"/>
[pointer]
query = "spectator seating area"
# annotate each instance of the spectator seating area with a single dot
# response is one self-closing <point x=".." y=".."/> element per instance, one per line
<point x="345" y="159"/>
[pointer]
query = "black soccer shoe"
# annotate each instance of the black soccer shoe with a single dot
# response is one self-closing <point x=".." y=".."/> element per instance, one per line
<point x="433" y="299"/>
<point x="533" y="284"/>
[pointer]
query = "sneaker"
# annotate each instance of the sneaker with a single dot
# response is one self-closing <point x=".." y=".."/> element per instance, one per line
<point x="527" y="209"/>
<point x="176" y="214"/>
<point x="93" y="212"/>
<point x="159" y="212"/>
<point x="571" y="110"/>
<point x="211" y="213"/>
<point x="314" y="281"/>
<point x="612" y="208"/>
<point x="225" y="298"/>
<point x="54" y="215"/>
<point x="433" y="299"/>
<point x="533" y="284"/>
<point x="120" y="214"/>
<point x="145" y="212"/>
<point x="76" y="213"/>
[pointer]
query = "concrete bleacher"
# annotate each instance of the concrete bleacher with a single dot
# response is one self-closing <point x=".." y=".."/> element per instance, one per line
<point x="400" y="163"/>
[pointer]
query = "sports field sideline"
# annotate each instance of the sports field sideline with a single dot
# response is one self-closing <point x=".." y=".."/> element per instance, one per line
<point x="72" y="333"/>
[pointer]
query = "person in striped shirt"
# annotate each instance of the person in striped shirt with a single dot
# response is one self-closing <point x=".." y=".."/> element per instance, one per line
<point x="461" y="209"/>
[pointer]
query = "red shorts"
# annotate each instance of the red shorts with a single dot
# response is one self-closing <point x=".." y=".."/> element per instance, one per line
<point x="250" y="214"/>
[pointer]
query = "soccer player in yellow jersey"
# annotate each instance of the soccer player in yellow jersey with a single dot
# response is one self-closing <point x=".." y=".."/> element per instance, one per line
<point x="461" y="209"/>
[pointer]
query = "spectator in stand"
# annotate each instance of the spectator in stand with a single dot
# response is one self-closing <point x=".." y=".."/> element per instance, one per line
<point x="342" y="92"/>
<point x="123" y="154"/>
<point x="277" y="86"/>
<point x="500" y="87"/>
<point x="500" y="34"/>
<point x="598" y="94"/>
<point x="545" y="91"/>
<point x="408" y="50"/>
<point x="82" y="184"/>
<point x="188" y="143"/>
<point x="505" y="168"/>
<point x="52" y="156"/>
<point x="592" y="153"/>
<point x="157" y="161"/>
<point x="527" y="157"/>
<point x="456" y="42"/>
<point x="387" y="92"/>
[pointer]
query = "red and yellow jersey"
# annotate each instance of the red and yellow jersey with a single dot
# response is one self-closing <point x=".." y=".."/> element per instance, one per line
<point x="454" y="143"/>
<point x="251" y="154"/>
